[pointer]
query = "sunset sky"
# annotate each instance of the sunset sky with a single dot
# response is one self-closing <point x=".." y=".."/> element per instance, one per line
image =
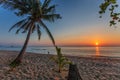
<point x="80" y="25"/>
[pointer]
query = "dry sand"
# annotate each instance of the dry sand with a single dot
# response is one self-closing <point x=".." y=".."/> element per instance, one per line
<point x="40" y="67"/>
<point x="33" y="67"/>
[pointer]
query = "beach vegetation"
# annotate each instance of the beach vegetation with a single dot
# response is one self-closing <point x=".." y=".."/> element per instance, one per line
<point x="60" y="60"/>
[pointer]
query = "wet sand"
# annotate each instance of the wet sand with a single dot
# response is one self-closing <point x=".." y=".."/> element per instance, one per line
<point x="40" y="67"/>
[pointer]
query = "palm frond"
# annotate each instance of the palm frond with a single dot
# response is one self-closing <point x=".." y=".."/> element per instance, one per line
<point x="22" y="27"/>
<point x="18" y="24"/>
<point x="46" y="4"/>
<point x="27" y="27"/>
<point x="51" y="9"/>
<point x="17" y="31"/>
<point x="20" y="6"/>
<point x="51" y="17"/>
<point x="34" y="28"/>
<point x="10" y="4"/>
<point x="48" y="32"/>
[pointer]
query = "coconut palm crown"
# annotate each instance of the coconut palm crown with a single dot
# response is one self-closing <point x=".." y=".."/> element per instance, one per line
<point x="35" y="12"/>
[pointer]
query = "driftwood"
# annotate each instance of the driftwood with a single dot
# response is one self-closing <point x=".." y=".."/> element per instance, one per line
<point x="73" y="73"/>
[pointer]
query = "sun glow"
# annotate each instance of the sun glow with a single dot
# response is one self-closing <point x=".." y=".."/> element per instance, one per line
<point x="97" y="43"/>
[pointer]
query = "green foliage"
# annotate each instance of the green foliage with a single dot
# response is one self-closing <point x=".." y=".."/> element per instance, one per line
<point x="60" y="60"/>
<point x="110" y="5"/>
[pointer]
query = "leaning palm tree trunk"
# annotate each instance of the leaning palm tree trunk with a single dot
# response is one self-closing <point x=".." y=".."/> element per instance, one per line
<point x="18" y="59"/>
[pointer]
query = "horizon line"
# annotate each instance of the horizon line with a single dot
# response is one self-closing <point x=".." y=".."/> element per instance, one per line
<point x="10" y="45"/>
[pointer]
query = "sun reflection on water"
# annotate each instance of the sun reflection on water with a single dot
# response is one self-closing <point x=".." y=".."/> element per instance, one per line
<point x="97" y="51"/>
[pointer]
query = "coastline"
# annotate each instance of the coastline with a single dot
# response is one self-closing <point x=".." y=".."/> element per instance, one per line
<point x="39" y="67"/>
<point x="78" y="56"/>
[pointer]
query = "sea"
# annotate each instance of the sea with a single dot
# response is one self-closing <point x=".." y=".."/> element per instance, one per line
<point x="72" y="51"/>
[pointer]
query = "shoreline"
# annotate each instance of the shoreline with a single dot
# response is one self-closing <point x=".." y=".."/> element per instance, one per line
<point x="40" y="67"/>
<point x="88" y="56"/>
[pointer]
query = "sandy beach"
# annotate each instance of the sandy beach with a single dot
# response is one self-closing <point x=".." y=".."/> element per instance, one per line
<point x="40" y="67"/>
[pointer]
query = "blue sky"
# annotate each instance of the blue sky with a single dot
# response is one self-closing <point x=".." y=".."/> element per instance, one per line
<point x="80" y="25"/>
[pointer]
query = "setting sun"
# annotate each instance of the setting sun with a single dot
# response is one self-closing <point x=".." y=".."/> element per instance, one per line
<point x="97" y="43"/>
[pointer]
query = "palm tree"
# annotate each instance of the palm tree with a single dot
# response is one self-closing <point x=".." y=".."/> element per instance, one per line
<point x="35" y="13"/>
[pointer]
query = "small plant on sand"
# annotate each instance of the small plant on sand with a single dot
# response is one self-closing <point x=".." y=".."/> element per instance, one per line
<point x="60" y="60"/>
